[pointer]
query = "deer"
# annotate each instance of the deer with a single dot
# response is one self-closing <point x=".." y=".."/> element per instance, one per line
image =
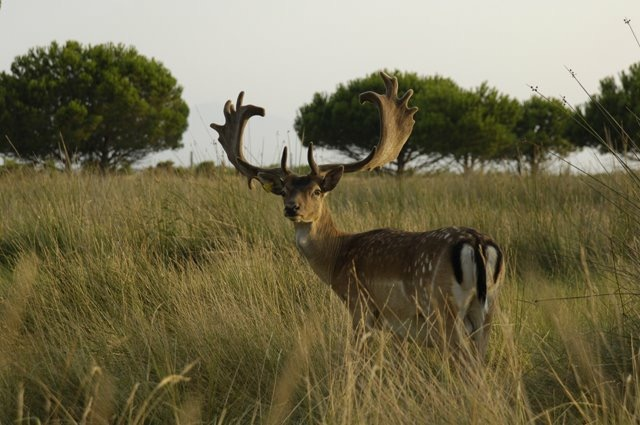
<point x="437" y="288"/>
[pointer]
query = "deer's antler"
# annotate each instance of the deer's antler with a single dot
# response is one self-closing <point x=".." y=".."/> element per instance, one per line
<point x="230" y="137"/>
<point x="396" y="124"/>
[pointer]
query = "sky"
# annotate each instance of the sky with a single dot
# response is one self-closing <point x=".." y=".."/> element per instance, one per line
<point x="281" y="52"/>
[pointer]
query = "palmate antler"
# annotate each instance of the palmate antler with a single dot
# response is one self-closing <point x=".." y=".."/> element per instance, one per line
<point x="230" y="137"/>
<point x="396" y="124"/>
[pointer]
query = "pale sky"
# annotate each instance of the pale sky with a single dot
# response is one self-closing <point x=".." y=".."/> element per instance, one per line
<point x="283" y="51"/>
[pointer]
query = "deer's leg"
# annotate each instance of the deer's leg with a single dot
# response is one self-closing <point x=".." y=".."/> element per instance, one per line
<point x="364" y="314"/>
<point x="481" y="335"/>
<point x="445" y="325"/>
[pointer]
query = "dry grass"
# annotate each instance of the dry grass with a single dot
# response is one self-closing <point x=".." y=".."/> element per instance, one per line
<point x="163" y="298"/>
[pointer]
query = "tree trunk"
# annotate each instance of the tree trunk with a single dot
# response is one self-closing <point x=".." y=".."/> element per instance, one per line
<point x="534" y="161"/>
<point x="467" y="164"/>
<point x="403" y="159"/>
<point x="104" y="156"/>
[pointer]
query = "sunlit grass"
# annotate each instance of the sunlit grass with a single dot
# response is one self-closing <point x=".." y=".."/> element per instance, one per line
<point x="158" y="298"/>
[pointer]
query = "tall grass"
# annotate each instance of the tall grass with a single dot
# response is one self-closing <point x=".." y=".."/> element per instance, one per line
<point x="163" y="298"/>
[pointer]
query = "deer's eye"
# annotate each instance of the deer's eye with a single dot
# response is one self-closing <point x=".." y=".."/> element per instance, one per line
<point x="317" y="192"/>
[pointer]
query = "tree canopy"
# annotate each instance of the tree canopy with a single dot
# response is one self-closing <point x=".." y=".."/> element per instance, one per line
<point x="468" y="126"/>
<point x="474" y="126"/>
<point x="541" y="132"/>
<point x="612" y="115"/>
<point x="105" y="105"/>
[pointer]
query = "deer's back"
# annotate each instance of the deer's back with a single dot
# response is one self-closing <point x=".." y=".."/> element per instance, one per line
<point x="404" y="270"/>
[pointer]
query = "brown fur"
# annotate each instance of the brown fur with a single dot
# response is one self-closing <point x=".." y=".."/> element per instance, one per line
<point x="388" y="278"/>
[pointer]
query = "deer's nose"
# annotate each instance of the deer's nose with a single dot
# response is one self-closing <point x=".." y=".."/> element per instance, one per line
<point x="291" y="210"/>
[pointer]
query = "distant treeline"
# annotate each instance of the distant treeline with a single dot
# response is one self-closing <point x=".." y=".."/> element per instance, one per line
<point x="107" y="106"/>
<point x="474" y="127"/>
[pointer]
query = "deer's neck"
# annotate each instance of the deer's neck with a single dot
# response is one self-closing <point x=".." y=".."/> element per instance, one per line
<point x="320" y="242"/>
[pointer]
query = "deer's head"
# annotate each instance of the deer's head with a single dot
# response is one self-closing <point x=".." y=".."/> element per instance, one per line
<point x="303" y="195"/>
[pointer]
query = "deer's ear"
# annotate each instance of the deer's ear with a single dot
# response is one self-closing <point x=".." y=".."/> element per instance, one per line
<point x="271" y="183"/>
<point x="331" y="179"/>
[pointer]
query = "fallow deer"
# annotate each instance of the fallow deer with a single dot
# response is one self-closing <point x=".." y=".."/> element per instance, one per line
<point x="433" y="287"/>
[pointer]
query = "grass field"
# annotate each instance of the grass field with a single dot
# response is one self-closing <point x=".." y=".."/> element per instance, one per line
<point x="162" y="298"/>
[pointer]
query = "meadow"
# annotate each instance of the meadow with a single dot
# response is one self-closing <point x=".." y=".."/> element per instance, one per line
<point x="178" y="298"/>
